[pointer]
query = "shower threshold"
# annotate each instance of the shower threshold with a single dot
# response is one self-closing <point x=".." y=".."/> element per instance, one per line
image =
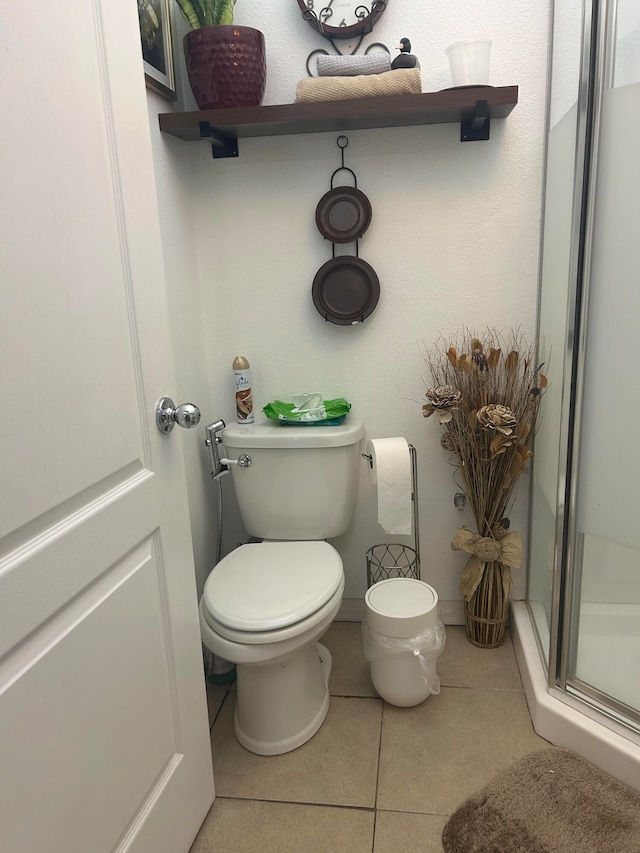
<point x="565" y="720"/>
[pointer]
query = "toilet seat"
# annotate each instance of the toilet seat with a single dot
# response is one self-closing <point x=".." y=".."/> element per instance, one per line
<point x="242" y="646"/>
<point x="263" y="592"/>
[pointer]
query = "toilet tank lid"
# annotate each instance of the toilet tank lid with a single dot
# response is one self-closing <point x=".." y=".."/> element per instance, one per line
<point x="269" y="434"/>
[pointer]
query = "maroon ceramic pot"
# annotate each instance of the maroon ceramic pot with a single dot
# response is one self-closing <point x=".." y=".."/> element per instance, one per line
<point x="226" y="65"/>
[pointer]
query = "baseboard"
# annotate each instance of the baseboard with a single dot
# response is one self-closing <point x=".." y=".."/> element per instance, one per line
<point x="452" y="612"/>
<point x="353" y="610"/>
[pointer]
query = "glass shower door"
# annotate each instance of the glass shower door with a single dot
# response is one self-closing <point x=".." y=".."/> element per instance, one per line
<point x="584" y="536"/>
<point x="604" y="646"/>
<point x="562" y="220"/>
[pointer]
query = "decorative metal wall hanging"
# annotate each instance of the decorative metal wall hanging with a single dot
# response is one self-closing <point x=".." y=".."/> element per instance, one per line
<point x="342" y="19"/>
<point x="346" y="289"/>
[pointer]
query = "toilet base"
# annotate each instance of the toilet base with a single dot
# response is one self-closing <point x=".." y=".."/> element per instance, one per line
<point x="280" y="706"/>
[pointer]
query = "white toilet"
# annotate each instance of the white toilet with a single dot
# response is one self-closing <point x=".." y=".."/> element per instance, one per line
<point x="265" y="605"/>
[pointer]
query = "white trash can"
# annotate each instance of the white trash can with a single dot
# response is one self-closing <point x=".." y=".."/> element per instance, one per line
<point x="402" y="638"/>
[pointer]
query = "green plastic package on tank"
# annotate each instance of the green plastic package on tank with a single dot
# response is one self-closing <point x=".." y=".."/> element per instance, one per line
<point x="316" y="412"/>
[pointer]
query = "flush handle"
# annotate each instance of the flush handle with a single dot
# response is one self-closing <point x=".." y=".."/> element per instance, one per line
<point x="243" y="461"/>
<point x="186" y="415"/>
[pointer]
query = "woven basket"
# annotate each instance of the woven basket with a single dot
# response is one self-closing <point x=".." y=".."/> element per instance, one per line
<point x="487" y="611"/>
<point x="391" y="561"/>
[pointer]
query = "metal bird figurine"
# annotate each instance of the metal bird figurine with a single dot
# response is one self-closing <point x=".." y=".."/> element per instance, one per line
<point x="405" y="58"/>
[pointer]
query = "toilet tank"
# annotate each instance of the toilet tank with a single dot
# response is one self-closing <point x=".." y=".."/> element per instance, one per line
<point x="302" y="480"/>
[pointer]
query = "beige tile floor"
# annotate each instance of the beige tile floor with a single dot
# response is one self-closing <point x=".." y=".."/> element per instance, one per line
<point x="375" y="778"/>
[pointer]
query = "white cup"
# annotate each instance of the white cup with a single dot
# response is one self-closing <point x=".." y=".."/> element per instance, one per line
<point x="469" y="61"/>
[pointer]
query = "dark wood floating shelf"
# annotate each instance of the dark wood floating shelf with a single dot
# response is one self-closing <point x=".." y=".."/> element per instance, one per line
<point x="472" y="107"/>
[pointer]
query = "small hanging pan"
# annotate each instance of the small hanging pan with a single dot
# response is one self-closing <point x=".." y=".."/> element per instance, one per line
<point x="344" y="213"/>
<point x="345" y="290"/>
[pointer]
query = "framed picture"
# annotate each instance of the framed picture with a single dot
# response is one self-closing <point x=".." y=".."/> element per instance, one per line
<point x="155" y="34"/>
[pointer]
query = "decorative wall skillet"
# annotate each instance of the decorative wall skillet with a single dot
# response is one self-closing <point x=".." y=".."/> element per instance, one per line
<point x="344" y="213"/>
<point x="341" y="19"/>
<point x="345" y="290"/>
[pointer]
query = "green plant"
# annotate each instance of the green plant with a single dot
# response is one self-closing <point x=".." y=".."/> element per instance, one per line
<point x="206" y="13"/>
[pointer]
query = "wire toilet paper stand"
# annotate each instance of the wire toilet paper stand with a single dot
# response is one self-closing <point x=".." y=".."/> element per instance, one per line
<point x="389" y="560"/>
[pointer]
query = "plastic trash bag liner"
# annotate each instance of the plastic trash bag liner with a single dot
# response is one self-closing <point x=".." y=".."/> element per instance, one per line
<point x="308" y="409"/>
<point x="427" y="647"/>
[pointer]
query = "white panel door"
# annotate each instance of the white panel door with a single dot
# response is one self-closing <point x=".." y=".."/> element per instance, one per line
<point x="104" y="742"/>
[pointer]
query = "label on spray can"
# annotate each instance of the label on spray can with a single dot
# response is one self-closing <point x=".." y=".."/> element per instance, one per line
<point x="244" y="401"/>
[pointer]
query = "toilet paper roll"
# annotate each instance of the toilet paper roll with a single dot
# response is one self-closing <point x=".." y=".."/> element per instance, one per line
<point x="391" y="473"/>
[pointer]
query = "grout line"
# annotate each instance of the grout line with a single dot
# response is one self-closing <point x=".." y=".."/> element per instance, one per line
<point x="217" y="714"/>
<point x="299" y="803"/>
<point x="355" y="696"/>
<point x="375" y="798"/>
<point x="426" y="814"/>
<point x="485" y="689"/>
<point x="346" y="806"/>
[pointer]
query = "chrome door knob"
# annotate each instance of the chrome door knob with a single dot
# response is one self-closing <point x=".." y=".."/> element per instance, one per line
<point x="186" y="415"/>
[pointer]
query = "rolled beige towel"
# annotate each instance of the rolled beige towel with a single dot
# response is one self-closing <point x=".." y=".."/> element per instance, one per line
<point x="351" y="66"/>
<point x="403" y="81"/>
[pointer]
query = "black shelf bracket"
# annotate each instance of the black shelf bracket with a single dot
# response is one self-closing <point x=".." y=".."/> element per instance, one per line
<point x="477" y="127"/>
<point x="221" y="145"/>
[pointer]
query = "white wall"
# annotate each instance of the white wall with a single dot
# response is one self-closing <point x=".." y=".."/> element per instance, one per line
<point x="454" y="240"/>
<point x="188" y="334"/>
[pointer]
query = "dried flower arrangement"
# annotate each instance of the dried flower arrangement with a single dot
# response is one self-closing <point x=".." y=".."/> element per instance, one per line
<point x="486" y="395"/>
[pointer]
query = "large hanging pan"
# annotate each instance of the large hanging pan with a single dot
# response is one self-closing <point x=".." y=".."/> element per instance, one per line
<point x="345" y="290"/>
<point x="344" y="213"/>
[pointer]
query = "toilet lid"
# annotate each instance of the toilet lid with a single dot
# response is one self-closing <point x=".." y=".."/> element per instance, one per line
<point x="271" y="585"/>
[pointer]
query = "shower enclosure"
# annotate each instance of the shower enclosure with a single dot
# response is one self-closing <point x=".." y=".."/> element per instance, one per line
<point x="578" y="635"/>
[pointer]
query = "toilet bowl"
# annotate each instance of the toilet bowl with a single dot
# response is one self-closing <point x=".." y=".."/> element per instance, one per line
<point x="263" y="608"/>
<point x="266" y="604"/>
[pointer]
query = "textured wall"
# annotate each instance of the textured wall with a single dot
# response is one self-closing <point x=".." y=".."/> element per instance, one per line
<point x="454" y="240"/>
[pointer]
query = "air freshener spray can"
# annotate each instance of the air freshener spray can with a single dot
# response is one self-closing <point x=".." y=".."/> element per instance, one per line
<point x="244" y="401"/>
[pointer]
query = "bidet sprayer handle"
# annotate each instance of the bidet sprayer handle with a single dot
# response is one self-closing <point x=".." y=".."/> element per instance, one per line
<point x="212" y="441"/>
